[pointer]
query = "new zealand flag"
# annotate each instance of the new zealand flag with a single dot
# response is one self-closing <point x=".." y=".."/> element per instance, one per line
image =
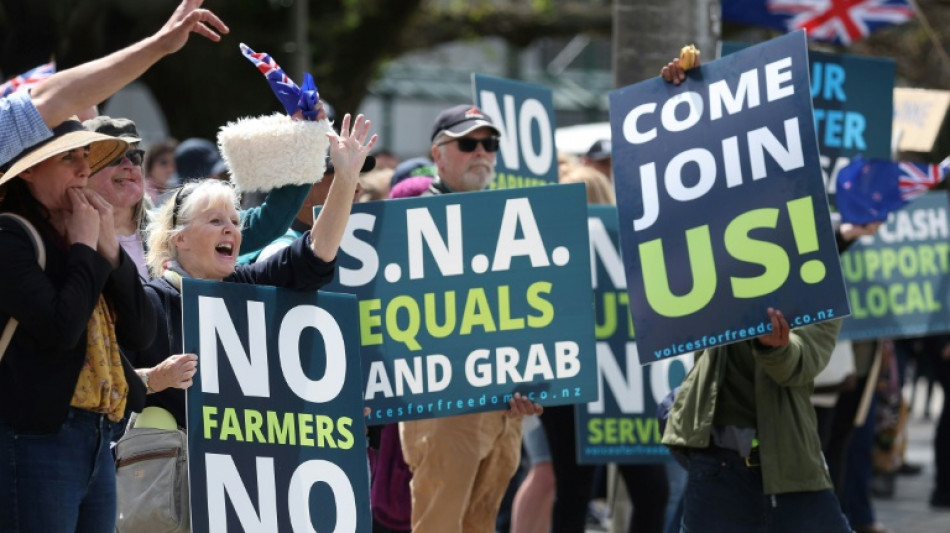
<point x="867" y="190"/>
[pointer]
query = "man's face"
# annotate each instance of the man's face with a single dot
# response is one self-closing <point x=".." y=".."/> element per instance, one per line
<point x="465" y="171"/>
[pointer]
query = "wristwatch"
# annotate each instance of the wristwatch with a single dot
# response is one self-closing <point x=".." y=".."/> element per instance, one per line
<point x="148" y="388"/>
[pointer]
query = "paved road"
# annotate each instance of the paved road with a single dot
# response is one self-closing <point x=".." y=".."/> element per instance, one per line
<point x="909" y="510"/>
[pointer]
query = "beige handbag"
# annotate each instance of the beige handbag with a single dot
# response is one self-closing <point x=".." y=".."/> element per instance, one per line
<point x="10" y="328"/>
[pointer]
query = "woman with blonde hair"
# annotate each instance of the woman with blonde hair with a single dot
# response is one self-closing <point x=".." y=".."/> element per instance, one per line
<point x="197" y="234"/>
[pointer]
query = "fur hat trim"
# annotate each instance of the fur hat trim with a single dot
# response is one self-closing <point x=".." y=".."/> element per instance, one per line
<point x="271" y="151"/>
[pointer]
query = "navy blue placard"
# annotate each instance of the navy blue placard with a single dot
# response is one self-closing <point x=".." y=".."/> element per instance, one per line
<point x="276" y="435"/>
<point x="899" y="279"/>
<point x="621" y="425"/>
<point x="468" y="298"/>
<point x="722" y="208"/>
<point x="853" y="99"/>
<point x="524" y="112"/>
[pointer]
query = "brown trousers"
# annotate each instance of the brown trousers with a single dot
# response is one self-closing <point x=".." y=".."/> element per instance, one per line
<point x="461" y="467"/>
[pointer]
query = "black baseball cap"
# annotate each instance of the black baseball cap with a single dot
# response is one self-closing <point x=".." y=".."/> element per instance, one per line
<point x="461" y="120"/>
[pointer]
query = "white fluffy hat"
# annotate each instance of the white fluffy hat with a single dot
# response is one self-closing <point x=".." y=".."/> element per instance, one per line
<point x="271" y="151"/>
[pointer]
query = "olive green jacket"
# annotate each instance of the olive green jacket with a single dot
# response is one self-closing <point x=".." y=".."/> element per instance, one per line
<point x="787" y="430"/>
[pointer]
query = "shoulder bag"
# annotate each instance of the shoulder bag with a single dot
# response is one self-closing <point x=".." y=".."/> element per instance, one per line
<point x="40" y="249"/>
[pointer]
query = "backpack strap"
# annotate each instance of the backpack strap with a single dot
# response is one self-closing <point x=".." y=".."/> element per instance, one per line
<point x="40" y="249"/>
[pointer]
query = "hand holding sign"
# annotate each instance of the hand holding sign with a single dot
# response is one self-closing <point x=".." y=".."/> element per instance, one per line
<point x="520" y="405"/>
<point x="675" y="71"/>
<point x="778" y="337"/>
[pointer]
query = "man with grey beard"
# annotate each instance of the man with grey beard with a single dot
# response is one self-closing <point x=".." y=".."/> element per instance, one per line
<point x="464" y="144"/>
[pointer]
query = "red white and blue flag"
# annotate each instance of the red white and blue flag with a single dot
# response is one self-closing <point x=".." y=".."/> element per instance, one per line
<point x="292" y="97"/>
<point x="835" y="21"/>
<point x="27" y="79"/>
<point x="867" y="190"/>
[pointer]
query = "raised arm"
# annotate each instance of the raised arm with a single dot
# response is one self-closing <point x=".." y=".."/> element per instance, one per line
<point x="66" y="93"/>
<point x="348" y="150"/>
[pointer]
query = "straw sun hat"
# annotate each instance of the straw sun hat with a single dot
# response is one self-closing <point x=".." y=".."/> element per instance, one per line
<point x="69" y="135"/>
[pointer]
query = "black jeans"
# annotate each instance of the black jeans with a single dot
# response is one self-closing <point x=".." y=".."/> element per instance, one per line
<point x="647" y="484"/>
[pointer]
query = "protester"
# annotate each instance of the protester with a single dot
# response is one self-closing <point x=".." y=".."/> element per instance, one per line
<point x="461" y="465"/>
<point x="63" y="382"/>
<point x="160" y="175"/>
<point x="27" y="116"/>
<point x="197" y="234"/>
<point x="121" y="184"/>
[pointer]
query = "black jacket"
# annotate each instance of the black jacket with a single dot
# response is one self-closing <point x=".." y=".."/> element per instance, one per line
<point x="293" y="267"/>
<point x="41" y="366"/>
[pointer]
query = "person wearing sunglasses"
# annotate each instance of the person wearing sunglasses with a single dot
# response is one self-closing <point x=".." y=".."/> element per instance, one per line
<point x="464" y="144"/>
<point x="461" y="465"/>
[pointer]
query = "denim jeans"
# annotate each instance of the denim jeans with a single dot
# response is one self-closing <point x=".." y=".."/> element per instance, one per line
<point x="59" y="482"/>
<point x="724" y="495"/>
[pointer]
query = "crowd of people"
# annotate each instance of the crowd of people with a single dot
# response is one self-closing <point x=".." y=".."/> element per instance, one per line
<point x="99" y="232"/>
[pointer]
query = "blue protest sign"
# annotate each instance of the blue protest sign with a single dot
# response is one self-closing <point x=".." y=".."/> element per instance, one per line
<point x="899" y="279"/>
<point x="853" y="99"/>
<point x="467" y="298"/>
<point x="620" y="426"/>
<point x="721" y="205"/>
<point x="276" y="435"/>
<point x="524" y="112"/>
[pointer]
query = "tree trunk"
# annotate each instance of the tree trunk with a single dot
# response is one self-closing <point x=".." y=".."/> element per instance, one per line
<point x="647" y="35"/>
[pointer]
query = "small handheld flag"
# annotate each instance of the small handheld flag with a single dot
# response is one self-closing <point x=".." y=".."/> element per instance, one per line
<point x="867" y="190"/>
<point x="292" y="97"/>
<point x="28" y="78"/>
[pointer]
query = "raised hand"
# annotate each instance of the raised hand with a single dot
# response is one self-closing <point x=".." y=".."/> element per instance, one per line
<point x="188" y="18"/>
<point x="82" y="221"/>
<point x="348" y="149"/>
<point x="107" y="244"/>
<point x="779" y="335"/>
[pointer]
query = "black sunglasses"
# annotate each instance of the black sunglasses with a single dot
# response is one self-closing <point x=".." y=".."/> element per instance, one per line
<point x="135" y="157"/>
<point x="468" y="144"/>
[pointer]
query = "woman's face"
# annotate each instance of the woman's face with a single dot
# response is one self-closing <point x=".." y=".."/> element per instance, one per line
<point x="121" y="184"/>
<point x="49" y="180"/>
<point x="208" y="246"/>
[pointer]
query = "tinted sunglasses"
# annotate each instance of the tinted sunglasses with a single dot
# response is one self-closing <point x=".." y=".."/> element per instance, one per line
<point x="135" y="157"/>
<point x="467" y="144"/>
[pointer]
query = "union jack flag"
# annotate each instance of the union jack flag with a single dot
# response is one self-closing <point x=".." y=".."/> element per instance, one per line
<point x="867" y="190"/>
<point x="836" y="21"/>
<point x="28" y="78"/>
<point x="290" y="95"/>
<point x="917" y="178"/>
